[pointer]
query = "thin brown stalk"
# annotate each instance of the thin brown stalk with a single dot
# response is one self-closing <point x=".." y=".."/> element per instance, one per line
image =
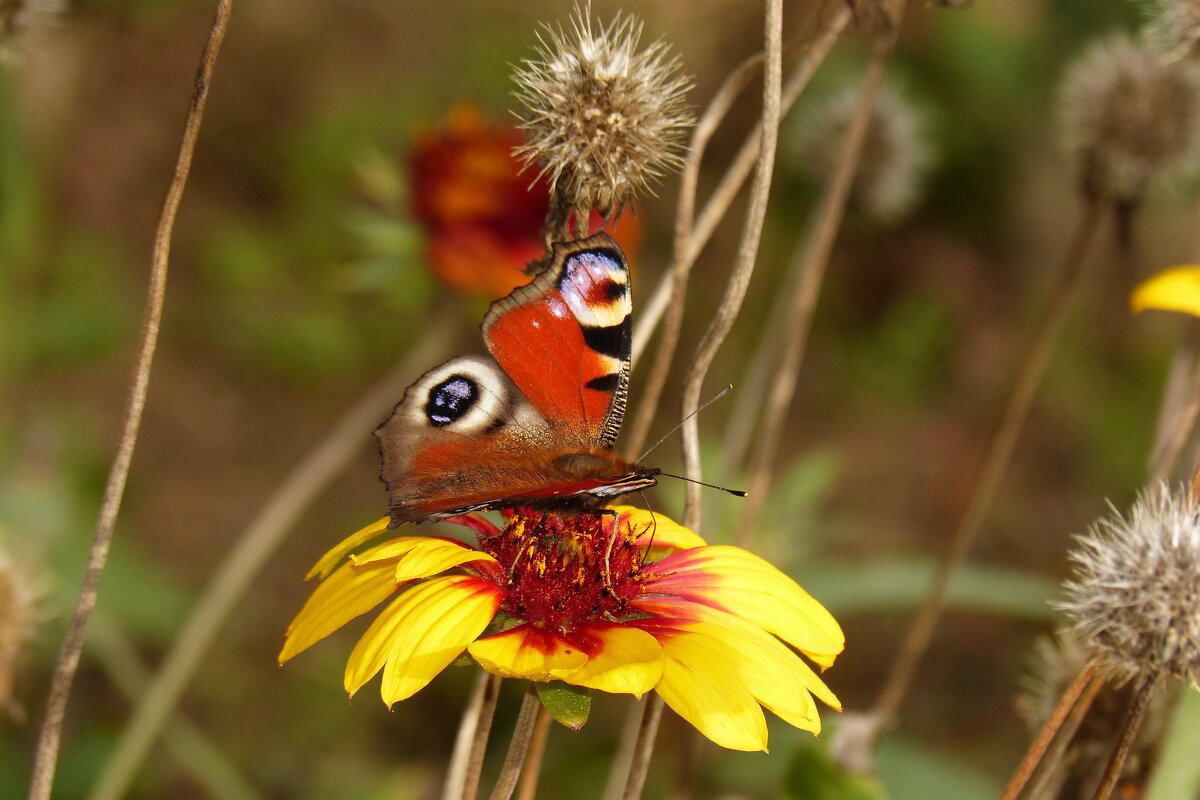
<point x="1134" y="716"/>
<point x="999" y="451"/>
<point x="811" y="269"/>
<point x="1084" y="686"/>
<point x="472" y="719"/>
<point x="478" y="749"/>
<point x="643" y="749"/>
<point x="1185" y="366"/>
<point x="1050" y="768"/>
<point x="731" y="182"/>
<point x="622" y="758"/>
<point x="253" y="548"/>
<point x="1183" y="426"/>
<point x="527" y="789"/>
<point x="743" y="268"/>
<point x="50" y="737"/>
<point x="518" y="748"/>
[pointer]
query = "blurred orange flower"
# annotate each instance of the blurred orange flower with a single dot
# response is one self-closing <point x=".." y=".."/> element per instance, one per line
<point x="483" y="216"/>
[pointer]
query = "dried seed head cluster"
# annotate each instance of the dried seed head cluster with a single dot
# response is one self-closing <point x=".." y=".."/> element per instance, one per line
<point x="19" y="18"/>
<point x="1128" y="114"/>
<point x="1053" y="667"/>
<point x="895" y="155"/>
<point x="1134" y="600"/>
<point x="601" y="118"/>
<point x="18" y="616"/>
<point x="1174" y="26"/>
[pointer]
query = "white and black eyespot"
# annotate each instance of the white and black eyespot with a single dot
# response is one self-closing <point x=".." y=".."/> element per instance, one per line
<point x="467" y="395"/>
<point x="595" y="286"/>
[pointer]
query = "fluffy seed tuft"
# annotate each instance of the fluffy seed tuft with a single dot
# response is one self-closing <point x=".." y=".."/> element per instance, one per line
<point x="1134" y="600"/>
<point x="1174" y="26"/>
<point x="601" y="119"/>
<point x="895" y="156"/>
<point x="1128" y="114"/>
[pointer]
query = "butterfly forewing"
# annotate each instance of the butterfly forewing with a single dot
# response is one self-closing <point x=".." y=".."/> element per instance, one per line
<point x="575" y="375"/>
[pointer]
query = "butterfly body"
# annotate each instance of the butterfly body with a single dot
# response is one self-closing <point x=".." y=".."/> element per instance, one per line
<point x="534" y="423"/>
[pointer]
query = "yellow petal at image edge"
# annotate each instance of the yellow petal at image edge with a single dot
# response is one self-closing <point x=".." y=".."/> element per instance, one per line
<point x="699" y="684"/>
<point x="342" y="549"/>
<point x="629" y="661"/>
<point x="750" y="587"/>
<point x="657" y="530"/>
<point x="420" y="633"/>
<point x="1175" y="289"/>
<point x="344" y="595"/>
<point x="524" y="652"/>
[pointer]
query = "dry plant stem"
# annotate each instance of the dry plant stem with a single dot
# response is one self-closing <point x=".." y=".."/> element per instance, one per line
<point x="811" y="268"/>
<point x="1184" y="366"/>
<point x="1049" y="768"/>
<point x="743" y="268"/>
<point x="1129" y="731"/>
<point x="519" y="747"/>
<point x="1183" y="425"/>
<point x="245" y="560"/>
<point x="999" y="450"/>
<point x="618" y="768"/>
<point x="477" y="713"/>
<point x="195" y="753"/>
<point x="644" y="748"/>
<point x="1069" y="702"/>
<point x="718" y="203"/>
<point x="50" y="737"/>
<point x="527" y="789"/>
<point x="706" y="126"/>
<point x="487" y="699"/>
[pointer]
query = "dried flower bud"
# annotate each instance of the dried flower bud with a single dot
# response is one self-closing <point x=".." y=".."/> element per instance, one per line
<point x="601" y="118"/>
<point x="1053" y="667"/>
<point x="1128" y="114"/>
<point x="1174" y="26"/>
<point x="19" y="597"/>
<point x="19" y="18"/>
<point x="895" y="155"/>
<point x="1134" y="600"/>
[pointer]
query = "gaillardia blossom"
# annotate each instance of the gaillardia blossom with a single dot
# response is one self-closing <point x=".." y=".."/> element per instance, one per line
<point x="616" y="600"/>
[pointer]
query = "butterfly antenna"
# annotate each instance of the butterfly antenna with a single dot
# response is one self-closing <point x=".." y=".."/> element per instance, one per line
<point x="679" y="425"/>
<point x="734" y="492"/>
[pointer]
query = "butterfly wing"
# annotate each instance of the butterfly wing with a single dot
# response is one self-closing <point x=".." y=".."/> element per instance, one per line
<point x="564" y="340"/>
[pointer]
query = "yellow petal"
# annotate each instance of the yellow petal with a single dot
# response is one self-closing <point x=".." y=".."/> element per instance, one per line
<point x="334" y="557"/>
<point x="341" y="597"/>
<point x="420" y="633"/>
<point x="774" y="674"/>
<point x="697" y="685"/>
<point x="657" y="530"/>
<point x="621" y="660"/>
<point x="525" y="652"/>
<point x="1175" y="289"/>
<point x="418" y="557"/>
<point x="741" y="583"/>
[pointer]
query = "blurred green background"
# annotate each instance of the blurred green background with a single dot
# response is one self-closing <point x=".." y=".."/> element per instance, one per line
<point x="297" y="278"/>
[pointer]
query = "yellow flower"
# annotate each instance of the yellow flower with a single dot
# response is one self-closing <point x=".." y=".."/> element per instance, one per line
<point x="1175" y="289"/>
<point x="618" y="600"/>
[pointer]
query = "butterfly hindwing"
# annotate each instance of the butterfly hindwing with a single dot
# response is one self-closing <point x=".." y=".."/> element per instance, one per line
<point x="564" y="339"/>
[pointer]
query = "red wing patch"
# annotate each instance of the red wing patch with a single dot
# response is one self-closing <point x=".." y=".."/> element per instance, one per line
<point x="564" y="339"/>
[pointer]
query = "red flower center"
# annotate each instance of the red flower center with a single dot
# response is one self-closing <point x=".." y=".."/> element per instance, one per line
<point x="566" y="569"/>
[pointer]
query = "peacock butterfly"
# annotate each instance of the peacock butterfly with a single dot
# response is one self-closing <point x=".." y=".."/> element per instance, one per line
<point x="534" y="424"/>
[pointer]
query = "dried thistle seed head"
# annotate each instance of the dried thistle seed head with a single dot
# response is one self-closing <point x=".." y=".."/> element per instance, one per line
<point x="1128" y="114"/>
<point x="601" y="118"/>
<point x="19" y="600"/>
<point x="1054" y="665"/>
<point x="895" y="155"/>
<point x="1134" y="600"/>
<point x="20" y="18"/>
<point x="1174" y="26"/>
